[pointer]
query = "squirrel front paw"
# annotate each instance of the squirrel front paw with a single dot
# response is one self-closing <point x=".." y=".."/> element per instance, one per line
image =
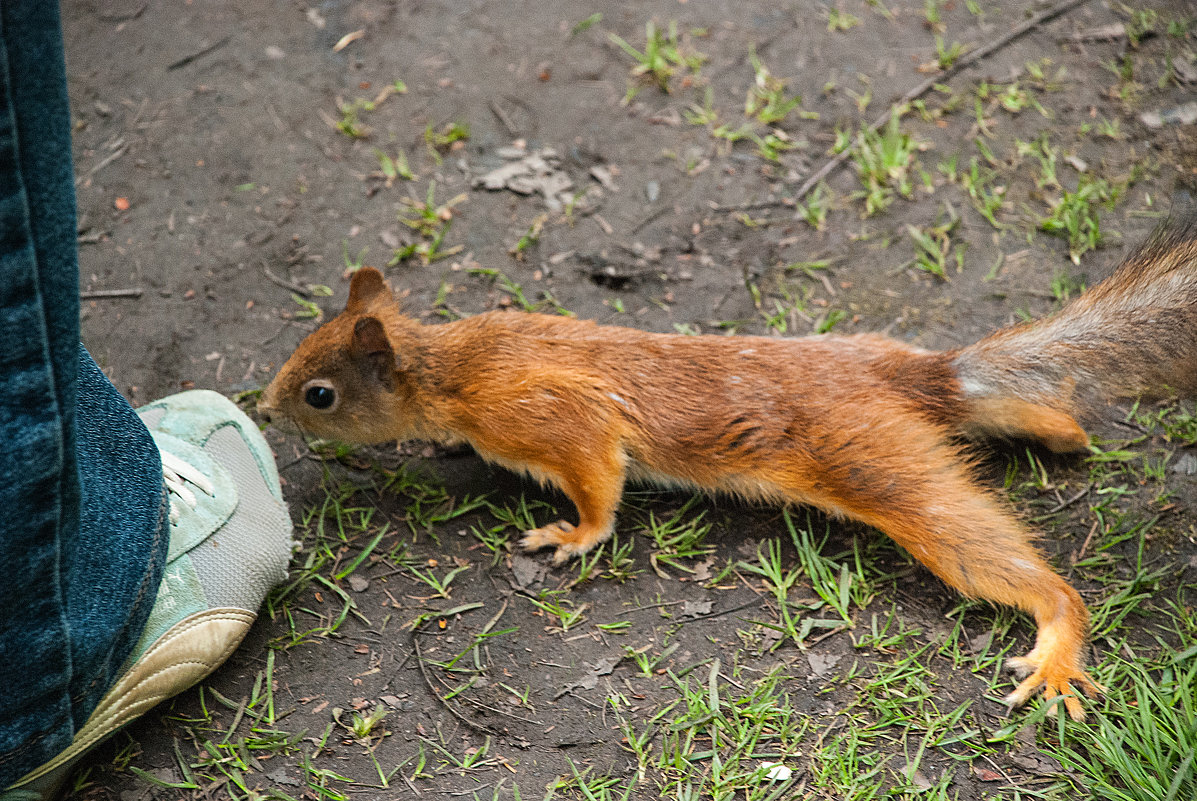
<point x="569" y="540"/>
<point x="1056" y="677"/>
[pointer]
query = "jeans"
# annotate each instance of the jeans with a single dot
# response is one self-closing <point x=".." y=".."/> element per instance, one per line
<point x="83" y="512"/>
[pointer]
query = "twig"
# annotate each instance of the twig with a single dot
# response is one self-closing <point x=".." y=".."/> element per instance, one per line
<point x="746" y="59"/>
<point x="661" y="605"/>
<point x="999" y="771"/>
<point x="277" y="333"/>
<point x="502" y="117"/>
<point x="827" y="634"/>
<point x="472" y="724"/>
<point x="492" y="710"/>
<point x="1069" y="502"/>
<point x="754" y="206"/>
<point x="101" y="294"/>
<point x="650" y="219"/>
<point x="285" y="284"/>
<point x="132" y="15"/>
<point x="111" y="157"/>
<point x="293" y="462"/>
<point x="967" y="61"/>
<point x="1085" y="545"/>
<point x="696" y="618"/>
<point x="185" y="60"/>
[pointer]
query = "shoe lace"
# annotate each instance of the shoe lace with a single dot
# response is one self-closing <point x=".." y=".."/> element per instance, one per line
<point x="177" y="474"/>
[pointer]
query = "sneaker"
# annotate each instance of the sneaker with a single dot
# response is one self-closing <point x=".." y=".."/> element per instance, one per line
<point x="230" y="542"/>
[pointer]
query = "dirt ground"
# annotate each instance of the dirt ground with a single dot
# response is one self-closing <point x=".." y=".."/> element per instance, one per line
<point x="237" y="160"/>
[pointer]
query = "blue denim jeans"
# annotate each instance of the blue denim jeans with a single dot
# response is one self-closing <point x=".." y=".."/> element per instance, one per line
<point x="83" y="528"/>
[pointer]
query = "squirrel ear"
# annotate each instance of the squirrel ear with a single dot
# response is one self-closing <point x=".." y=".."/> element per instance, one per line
<point x="367" y="290"/>
<point x="371" y="344"/>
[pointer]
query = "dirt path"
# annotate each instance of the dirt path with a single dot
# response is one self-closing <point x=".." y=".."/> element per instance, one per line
<point x="236" y="160"/>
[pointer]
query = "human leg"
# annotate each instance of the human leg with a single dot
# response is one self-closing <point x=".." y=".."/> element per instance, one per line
<point x="93" y="631"/>
<point x="77" y="597"/>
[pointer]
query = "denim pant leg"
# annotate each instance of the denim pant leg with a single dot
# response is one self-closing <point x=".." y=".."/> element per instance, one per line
<point x="83" y="533"/>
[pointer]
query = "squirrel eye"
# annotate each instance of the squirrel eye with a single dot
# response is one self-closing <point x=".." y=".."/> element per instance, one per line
<point x="319" y="397"/>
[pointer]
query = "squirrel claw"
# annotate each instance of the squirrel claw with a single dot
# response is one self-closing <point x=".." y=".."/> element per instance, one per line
<point x="1056" y="681"/>
<point x="560" y="534"/>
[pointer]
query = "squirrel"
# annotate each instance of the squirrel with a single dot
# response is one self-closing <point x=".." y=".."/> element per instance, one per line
<point x="859" y="426"/>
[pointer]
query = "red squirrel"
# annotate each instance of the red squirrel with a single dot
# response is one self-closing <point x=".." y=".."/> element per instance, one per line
<point x="860" y="426"/>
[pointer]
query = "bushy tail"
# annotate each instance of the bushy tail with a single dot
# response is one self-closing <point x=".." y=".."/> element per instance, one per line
<point x="1132" y="335"/>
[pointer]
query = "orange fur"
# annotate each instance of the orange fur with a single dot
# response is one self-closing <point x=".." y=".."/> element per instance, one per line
<point x="859" y="426"/>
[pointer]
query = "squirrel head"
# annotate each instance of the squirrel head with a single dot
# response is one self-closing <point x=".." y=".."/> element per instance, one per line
<point x="342" y="380"/>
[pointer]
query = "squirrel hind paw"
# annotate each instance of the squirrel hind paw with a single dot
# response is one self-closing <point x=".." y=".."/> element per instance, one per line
<point x="1055" y="681"/>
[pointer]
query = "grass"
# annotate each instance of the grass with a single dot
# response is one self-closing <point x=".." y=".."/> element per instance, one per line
<point x="1174" y="423"/>
<point x="431" y="222"/>
<point x="518" y="251"/>
<point x="393" y="168"/>
<point x="884" y="160"/>
<point x="841" y="20"/>
<point x="1076" y="215"/>
<point x="713" y="741"/>
<point x="440" y="141"/>
<point x="308" y="309"/>
<point x="946" y="55"/>
<point x="766" y="107"/>
<point x="1011" y="97"/>
<point x="515" y="295"/>
<point x="1065" y="286"/>
<point x="933" y="247"/>
<point x="933" y="15"/>
<point x="664" y="56"/>
<point x="986" y="194"/>
<point x="555" y="605"/>
<point x="438" y="585"/>
<point x="767" y="101"/>
<point x="839" y="586"/>
<point x="1142" y="744"/>
<point x="1046" y="154"/>
<point x="678" y="538"/>
<point x="350" y="123"/>
<point x="815" y="208"/>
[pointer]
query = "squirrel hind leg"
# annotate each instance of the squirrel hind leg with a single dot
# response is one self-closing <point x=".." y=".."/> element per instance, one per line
<point x="1002" y="566"/>
<point x="961" y="534"/>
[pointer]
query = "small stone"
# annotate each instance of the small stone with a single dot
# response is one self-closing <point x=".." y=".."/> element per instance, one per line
<point x="1186" y="465"/>
<point x="1184" y="114"/>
